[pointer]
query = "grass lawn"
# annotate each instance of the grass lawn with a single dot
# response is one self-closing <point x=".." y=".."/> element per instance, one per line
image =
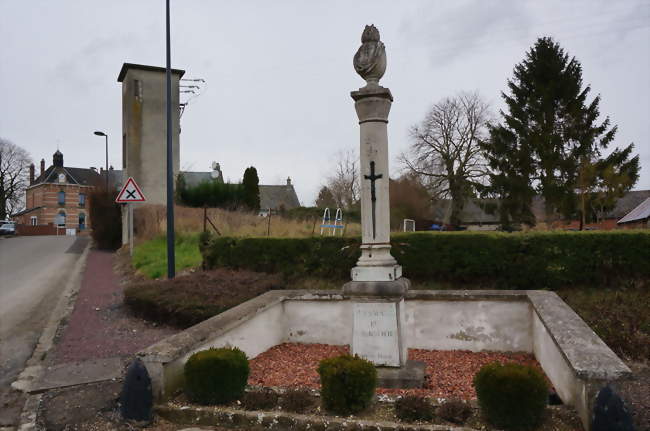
<point x="150" y="257"/>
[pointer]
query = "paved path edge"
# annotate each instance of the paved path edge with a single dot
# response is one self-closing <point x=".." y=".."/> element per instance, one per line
<point x="34" y="367"/>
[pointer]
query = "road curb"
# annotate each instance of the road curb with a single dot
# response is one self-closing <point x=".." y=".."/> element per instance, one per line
<point x="34" y="367"/>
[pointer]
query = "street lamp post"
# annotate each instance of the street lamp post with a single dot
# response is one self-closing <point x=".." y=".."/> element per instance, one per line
<point x="171" y="257"/>
<point x="98" y="133"/>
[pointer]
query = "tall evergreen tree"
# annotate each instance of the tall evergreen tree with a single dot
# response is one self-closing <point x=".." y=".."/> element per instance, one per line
<point x="251" y="189"/>
<point x="548" y="129"/>
<point x="325" y="198"/>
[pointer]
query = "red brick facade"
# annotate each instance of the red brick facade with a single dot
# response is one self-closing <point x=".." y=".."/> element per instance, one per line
<point x="44" y="200"/>
<point x="59" y="196"/>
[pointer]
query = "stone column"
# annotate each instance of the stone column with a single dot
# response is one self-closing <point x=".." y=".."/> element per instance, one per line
<point x="377" y="288"/>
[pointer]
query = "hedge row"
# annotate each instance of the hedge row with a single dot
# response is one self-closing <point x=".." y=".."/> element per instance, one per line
<point x="515" y="261"/>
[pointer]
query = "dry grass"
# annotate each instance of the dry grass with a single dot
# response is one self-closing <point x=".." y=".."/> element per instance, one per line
<point x="150" y="222"/>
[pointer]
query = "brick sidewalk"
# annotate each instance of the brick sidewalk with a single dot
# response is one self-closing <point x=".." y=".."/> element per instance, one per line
<point x="100" y="326"/>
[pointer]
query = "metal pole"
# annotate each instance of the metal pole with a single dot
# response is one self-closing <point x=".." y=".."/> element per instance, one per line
<point x="171" y="261"/>
<point x="130" y="229"/>
<point x="106" y="161"/>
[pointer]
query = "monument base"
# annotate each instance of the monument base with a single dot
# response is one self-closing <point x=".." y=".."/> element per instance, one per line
<point x="409" y="376"/>
<point x="363" y="273"/>
<point x="377" y="289"/>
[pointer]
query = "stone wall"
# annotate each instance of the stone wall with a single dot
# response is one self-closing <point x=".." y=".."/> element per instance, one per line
<point x="576" y="361"/>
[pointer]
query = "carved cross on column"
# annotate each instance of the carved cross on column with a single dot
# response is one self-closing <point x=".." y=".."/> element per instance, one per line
<point x="373" y="195"/>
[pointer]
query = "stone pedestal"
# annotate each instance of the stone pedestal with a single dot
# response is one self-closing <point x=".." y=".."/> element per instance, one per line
<point x="372" y="104"/>
<point x="377" y="288"/>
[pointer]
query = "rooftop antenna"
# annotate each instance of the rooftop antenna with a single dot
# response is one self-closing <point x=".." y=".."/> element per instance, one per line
<point x="193" y="87"/>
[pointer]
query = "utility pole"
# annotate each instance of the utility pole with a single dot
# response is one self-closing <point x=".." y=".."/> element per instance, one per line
<point x="171" y="258"/>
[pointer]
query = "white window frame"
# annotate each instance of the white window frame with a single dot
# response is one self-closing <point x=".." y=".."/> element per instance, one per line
<point x="58" y="218"/>
<point x="33" y="221"/>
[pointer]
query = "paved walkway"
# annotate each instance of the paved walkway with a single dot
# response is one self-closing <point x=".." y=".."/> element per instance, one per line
<point x="99" y="338"/>
<point x="100" y="326"/>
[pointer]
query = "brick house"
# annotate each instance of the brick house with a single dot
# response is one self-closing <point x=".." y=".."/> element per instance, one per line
<point x="58" y="196"/>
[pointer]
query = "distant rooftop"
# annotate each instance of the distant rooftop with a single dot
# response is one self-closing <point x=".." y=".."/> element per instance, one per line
<point x="641" y="212"/>
<point x="127" y="66"/>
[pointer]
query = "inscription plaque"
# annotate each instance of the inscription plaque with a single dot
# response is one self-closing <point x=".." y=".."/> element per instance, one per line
<point x="375" y="335"/>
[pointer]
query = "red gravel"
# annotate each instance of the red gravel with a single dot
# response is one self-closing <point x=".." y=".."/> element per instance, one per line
<point x="449" y="374"/>
<point x="99" y="326"/>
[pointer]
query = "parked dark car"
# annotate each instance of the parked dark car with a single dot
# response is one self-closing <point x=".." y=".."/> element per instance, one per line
<point x="8" y="229"/>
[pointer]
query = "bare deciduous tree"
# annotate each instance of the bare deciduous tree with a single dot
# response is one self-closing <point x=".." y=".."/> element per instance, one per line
<point x="344" y="183"/>
<point x="445" y="151"/>
<point x="14" y="177"/>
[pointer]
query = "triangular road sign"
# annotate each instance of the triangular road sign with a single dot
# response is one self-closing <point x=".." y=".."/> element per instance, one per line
<point x="130" y="193"/>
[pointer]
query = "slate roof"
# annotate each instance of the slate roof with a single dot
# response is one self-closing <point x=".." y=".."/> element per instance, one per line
<point x="193" y="179"/>
<point x="275" y="197"/>
<point x="641" y="212"/>
<point x="475" y="212"/>
<point x="628" y="202"/>
<point x="81" y="176"/>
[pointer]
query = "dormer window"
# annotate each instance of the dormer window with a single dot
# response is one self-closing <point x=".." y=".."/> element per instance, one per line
<point x="62" y="177"/>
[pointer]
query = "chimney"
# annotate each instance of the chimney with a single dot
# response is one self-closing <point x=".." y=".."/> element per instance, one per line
<point x="31" y="174"/>
<point x="288" y="181"/>
<point x="42" y="166"/>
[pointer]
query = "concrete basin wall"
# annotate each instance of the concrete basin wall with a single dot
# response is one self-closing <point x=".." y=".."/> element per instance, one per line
<point x="576" y="361"/>
<point x="474" y="325"/>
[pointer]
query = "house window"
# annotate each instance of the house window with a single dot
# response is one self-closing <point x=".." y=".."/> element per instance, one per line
<point x="34" y="221"/>
<point x="60" y="219"/>
<point x="82" y="221"/>
<point x="82" y="199"/>
<point x="61" y="198"/>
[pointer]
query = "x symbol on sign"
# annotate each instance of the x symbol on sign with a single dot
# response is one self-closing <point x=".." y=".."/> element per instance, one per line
<point x="130" y="194"/>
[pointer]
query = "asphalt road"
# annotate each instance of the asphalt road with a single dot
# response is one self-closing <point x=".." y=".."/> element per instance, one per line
<point x="33" y="274"/>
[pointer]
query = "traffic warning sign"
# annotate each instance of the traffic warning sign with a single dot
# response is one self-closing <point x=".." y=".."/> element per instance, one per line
<point x="130" y="193"/>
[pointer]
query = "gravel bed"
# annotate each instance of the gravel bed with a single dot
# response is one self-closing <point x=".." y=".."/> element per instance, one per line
<point x="449" y="374"/>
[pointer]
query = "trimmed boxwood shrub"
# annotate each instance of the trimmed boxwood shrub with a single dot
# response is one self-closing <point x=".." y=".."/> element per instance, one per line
<point x="347" y="383"/>
<point x="216" y="376"/>
<point x="413" y="408"/>
<point x="532" y="260"/>
<point x="511" y="396"/>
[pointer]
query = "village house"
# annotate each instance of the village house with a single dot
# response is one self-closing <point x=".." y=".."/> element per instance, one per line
<point x="475" y="214"/>
<point x="273" y="198"/>
<point x="58" y="197"/>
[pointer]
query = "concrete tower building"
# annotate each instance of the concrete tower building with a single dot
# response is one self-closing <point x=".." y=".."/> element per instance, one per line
<point x="144" y="128"/>
<point x="144" y="131"/>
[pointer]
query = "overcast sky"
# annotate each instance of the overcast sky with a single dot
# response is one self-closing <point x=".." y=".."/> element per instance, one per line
<point x="279" y="72"/>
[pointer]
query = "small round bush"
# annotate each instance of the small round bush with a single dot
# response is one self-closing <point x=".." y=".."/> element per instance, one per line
<point x="413" y="408"/>
<point x="216" y="376"/>
<point x="347" y="383"/>
<point x="511" y="396"/>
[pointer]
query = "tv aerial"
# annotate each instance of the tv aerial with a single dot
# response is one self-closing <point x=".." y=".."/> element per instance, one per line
<point x="189" y="89"/>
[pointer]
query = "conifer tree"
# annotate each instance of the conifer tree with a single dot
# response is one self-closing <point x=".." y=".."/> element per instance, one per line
<point x="548" y="129"/>
<point x="251" y="189"/>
